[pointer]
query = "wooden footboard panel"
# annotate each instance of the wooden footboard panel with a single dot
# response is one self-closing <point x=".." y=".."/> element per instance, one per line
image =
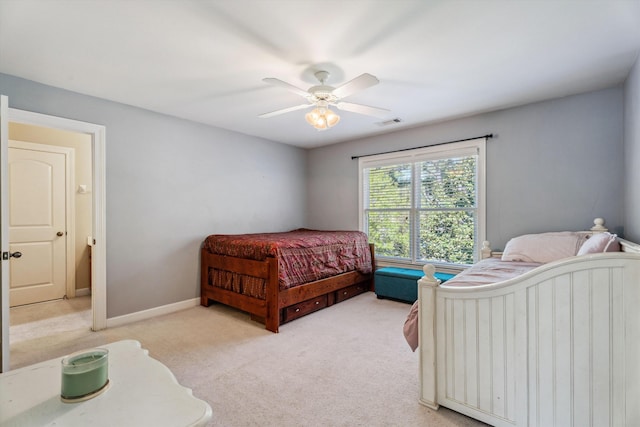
<point x="249" y="304"/>
<point x="265" y="309"/>
<point x="557" y="346"/>
<point x="271" y="310"/>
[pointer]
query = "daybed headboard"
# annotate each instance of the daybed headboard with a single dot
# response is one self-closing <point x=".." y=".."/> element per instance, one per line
<point x="627" y="246"/>
<point x="598" y="227"/>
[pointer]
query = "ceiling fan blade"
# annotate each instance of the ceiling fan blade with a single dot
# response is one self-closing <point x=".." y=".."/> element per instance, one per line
<point x="361" y="82"/>
<point x="362" y="109"/>
<point x="284" y="110"/>
<point x="292" y="88"/>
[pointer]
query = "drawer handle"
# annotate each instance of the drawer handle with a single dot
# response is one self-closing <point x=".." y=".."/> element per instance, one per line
<point x="344" y="293"/>
<point x="317" y="302"/>
<point x="297" y="310"/>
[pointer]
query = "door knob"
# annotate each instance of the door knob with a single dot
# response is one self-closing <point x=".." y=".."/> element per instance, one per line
<point x="15" y="254"/>
<point x="60" y="234"/>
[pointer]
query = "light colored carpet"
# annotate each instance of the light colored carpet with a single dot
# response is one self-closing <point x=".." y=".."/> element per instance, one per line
<point x="34" y="321"/>
<point x="347" y="365"/>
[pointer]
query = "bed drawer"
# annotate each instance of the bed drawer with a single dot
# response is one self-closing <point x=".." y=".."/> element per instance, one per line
<point x="305" y="307"/>
<point x="351" y="291"/>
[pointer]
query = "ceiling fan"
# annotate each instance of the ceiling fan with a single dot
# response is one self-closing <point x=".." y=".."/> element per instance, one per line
<point x="322" y="96"/>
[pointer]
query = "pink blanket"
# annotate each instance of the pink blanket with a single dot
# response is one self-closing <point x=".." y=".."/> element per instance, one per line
<point x="491" y="270"/>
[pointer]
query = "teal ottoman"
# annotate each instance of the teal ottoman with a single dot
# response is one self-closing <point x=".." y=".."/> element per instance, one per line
<point x="401" y="284"/>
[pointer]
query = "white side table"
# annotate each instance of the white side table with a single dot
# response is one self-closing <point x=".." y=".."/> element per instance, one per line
<point x="142" y="392"/>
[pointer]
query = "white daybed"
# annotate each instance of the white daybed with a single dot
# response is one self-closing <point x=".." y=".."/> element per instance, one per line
<point x="556" y="346"/>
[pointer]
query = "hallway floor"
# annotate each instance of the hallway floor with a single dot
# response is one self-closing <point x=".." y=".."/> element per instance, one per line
<point x="51" y="319"/>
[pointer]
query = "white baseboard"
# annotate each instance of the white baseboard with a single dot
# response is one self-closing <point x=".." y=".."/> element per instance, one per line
<point x="83" y="292"/>
<point x="152" y="312"/>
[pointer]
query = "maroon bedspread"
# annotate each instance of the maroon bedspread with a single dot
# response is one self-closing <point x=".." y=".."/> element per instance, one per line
<point x="303" y="255"/>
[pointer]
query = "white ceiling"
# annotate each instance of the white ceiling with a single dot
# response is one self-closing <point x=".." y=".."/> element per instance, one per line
<point x="205" y="60"/>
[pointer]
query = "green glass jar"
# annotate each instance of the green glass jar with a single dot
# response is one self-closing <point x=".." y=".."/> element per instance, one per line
<point x="84" y="373"/>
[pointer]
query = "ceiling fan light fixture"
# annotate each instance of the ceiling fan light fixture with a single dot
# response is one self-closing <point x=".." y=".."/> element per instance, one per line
<point x="322" y="118"/>
<point x="321" y="96"/>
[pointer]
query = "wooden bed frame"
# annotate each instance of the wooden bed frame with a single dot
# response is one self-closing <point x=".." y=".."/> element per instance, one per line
<point x="559" y="345"/>
<point x="280" y="306"/>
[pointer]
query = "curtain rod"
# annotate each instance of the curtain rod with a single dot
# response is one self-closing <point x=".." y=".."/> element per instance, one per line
<point x="424" y="146"/>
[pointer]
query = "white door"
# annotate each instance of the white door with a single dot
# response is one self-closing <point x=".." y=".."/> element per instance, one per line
<point x="37" y="224"/>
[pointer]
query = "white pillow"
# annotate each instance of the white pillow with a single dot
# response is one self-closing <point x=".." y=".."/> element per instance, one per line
<point x="543" y="247"/>
<point x="600" y="242"/>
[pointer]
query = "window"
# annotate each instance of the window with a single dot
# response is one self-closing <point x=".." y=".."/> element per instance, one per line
<point x="425" y="205"/>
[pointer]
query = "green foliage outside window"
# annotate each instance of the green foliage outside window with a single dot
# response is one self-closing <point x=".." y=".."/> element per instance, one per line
<point x="439" y="210"/>
<point x="446" y="237"/>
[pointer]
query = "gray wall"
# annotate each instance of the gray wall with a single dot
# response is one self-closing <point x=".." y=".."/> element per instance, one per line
<point x="170" y="183"/>
<point x="551" y="166"/>
<point x="632" y="154"/>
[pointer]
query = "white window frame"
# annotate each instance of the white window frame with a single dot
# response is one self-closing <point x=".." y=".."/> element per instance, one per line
<point x="456" y="149"/>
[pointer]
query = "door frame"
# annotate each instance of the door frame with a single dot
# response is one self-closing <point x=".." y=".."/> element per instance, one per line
<point x="98" y="255"/>
<point x="69" y="206"/>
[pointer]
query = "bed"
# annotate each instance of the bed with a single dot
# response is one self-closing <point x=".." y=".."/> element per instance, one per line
<point x="279" y="277"/>
<point x="554" y="343"/>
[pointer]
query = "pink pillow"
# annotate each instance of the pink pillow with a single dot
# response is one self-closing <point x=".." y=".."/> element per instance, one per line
<point x="600" y="242"/>
<point x="543" y="247"/>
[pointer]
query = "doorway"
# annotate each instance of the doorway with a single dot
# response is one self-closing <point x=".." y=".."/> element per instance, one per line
<point x="97" y="240"/>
